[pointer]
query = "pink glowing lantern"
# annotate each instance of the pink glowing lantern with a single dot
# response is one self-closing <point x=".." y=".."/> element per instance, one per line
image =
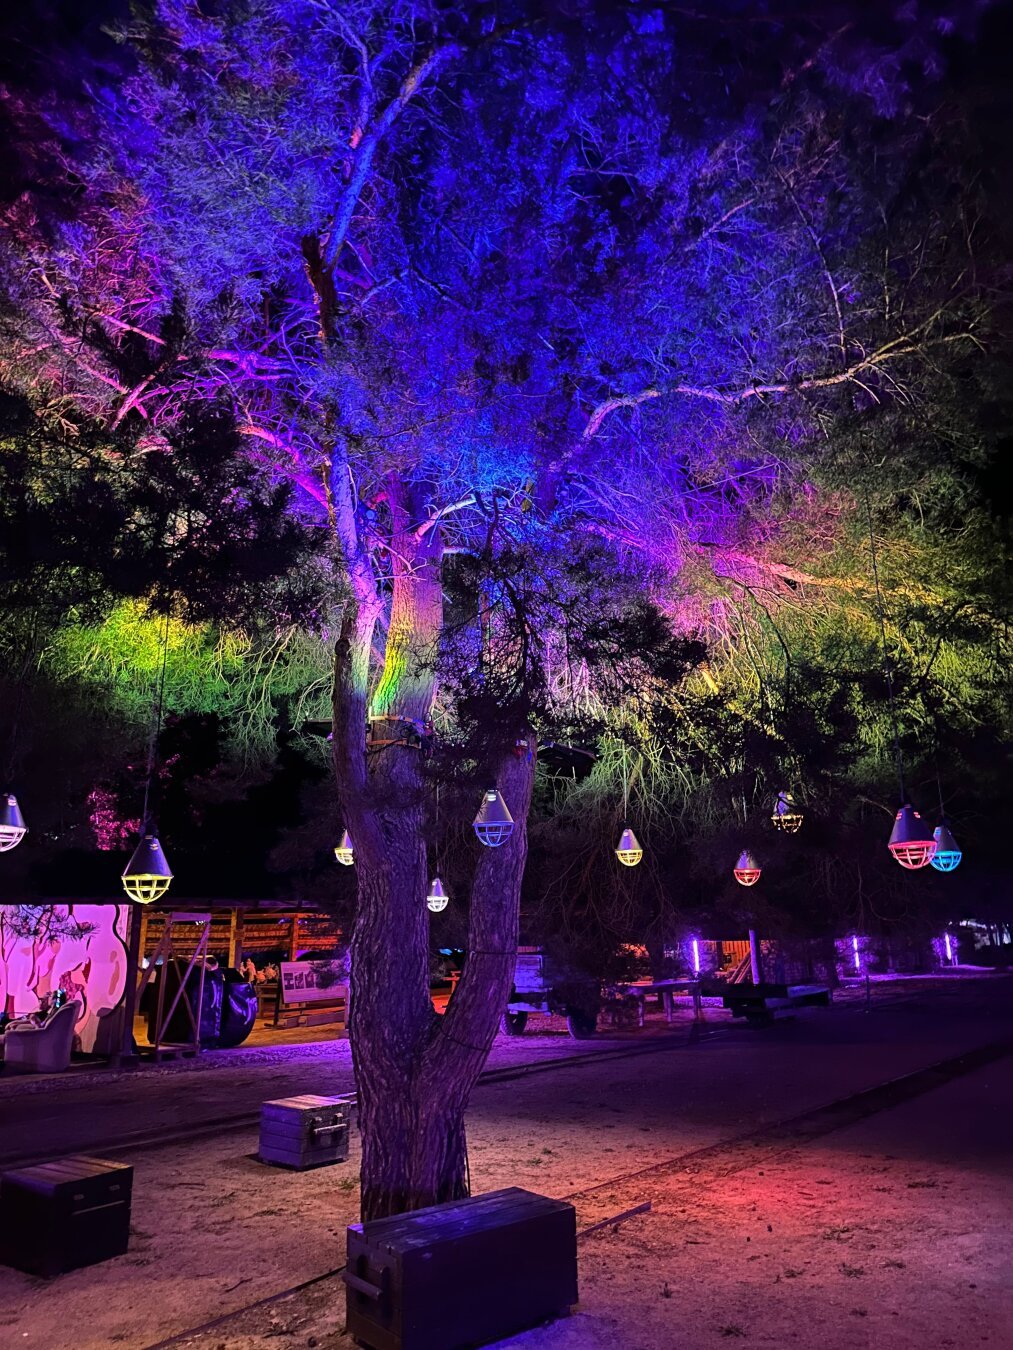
<point x="911" y="841"/>
<point x="747" y="870"/>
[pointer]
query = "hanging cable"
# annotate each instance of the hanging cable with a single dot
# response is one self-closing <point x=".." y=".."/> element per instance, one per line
<point x="156" y="727"/>
<point x="887" y="664"/>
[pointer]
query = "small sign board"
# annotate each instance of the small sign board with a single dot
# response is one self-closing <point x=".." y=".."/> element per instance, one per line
<point x="313" y="982"/>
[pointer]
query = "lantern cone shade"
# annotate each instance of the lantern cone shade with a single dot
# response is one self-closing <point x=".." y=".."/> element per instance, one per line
<point x="786" y="815"/>
<point x="911" y="842"/>
<point x="628" y="850"/>
<point x="147" y="874"/>
<point x="494" y="824"/>
<point x="344" y="852"/>
<point x="437" y="898"/>
<point x="947" y="855"/>
<point x="12" y="823"/>
<point x="747" y="870"/>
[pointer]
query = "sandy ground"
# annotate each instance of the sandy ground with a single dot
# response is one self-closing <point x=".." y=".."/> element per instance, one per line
<point x="894" y="1231"/>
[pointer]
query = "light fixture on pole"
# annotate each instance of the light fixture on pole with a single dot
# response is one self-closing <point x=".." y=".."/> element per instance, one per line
<point x="147" y="875"/>
<point x="747" y="870"/>
<point x="911" y="841"/>
<point x="947" y="855"/>
<point x="437" y="899"/>
<point x="344" y="852"/>
<point x="12" y="823"/>
<point x="494" y="824"/>
<point x="786" y="815"/>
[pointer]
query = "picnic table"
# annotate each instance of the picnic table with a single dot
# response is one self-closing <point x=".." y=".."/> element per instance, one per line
<point x="642" y="990"/>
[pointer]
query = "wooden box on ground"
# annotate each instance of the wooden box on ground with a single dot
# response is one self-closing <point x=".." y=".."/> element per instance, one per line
<point x="61" y="1215"/>
<point x="461" y="1274"/>
<point x="307" y="1131"/>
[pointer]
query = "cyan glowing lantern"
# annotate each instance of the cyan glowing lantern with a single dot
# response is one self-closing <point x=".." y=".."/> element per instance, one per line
<point x="494" y="824"/>
<point x="344" y="852"/>
<point x="911" y="843"/>
<point x="786" y="814"/>
<point x="12" y="823"/>
<point x="437" y="898"/>
<point x="628" y="850"/>
<point x="747" y="870"/>
<point x="947" y="855"/>
<point x="147" y="875"/>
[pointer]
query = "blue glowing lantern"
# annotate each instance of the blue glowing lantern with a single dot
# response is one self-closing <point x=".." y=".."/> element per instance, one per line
<point x="947" y="855"/>
<point x="494" y="824"/>
<point x="12" y="823"/>
<point x="147" y="875"/>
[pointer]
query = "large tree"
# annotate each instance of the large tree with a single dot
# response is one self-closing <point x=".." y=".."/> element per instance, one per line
<point x="487" y="284"/>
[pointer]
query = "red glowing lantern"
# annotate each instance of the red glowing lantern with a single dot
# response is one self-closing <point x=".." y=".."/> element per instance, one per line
<point x="747" y="870"/>
<point x="911" y="841"/>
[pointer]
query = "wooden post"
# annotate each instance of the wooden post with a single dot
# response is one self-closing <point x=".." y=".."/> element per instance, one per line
<point x="755" y="958"/>
<point x="127" y="1054"/>
<point x="293" y="946"/>
<point x="232" y="939"/>
<point x="239" y="937"/>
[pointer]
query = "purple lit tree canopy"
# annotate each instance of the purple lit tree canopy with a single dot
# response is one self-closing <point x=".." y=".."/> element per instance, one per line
<point x="558" y="322"/>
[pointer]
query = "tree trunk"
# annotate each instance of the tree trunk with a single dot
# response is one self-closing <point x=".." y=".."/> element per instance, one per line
<point x="414" y="1070"/>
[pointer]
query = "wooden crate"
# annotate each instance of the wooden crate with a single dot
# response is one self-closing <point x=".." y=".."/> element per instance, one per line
<point x="461" y="1274"/>
<point x="308" y="1131"/>
<point x="64" y="1214"/>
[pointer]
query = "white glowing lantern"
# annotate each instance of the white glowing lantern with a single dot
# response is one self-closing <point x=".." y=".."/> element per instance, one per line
<point x="437" y="899"/>
<point x="12" y="823"/>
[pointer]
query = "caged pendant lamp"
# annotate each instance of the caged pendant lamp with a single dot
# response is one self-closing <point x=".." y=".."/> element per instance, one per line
<point x="494" y="824"/>
<point x="344" y="852"/>
<point x="911" y="841"/>
<point x="786" y="815"/>
<point x="147" y="875"/>
<point x="947" y="855"/>
<point x="628" y="850"/>
<point x="12" y="823"/>
<point x="437" y="899"/>
<point x="747" y="870"/>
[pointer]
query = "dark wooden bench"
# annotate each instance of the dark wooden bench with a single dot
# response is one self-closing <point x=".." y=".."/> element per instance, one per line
<point x="757" y="1003"/>
<point x="664" y="989"/>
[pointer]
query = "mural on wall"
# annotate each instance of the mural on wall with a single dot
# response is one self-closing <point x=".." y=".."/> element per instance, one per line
<point x="78" y="948"/>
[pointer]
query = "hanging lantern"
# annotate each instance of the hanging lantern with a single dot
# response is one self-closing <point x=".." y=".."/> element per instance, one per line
<point x="494" y="824"/>
<point x="147" y="874"/>
<point x="437" y="898"/>
<point x="628" y="850"/>
<point x="786" y="815"/>
<point x="343" y="852"/>
<point x="12" y="823"/>
<point x="747" y="870"/>
<point x="947" y="855"/>
<point x="910" y="842"/>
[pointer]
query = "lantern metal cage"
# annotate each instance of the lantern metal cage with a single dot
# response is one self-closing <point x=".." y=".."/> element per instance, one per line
<point x="947" y="855"/>
<point x="786" y="814"/>
<point x="344" y="852"/>
<point x="147" y="875"/>
<point x="628" y="850"/>
<point x="494" y="824"/>
<point x="437" y="899"/>
<point x="747" y="870"/>
<point x="910" y="841"/>
<point x="12" y="823"/>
